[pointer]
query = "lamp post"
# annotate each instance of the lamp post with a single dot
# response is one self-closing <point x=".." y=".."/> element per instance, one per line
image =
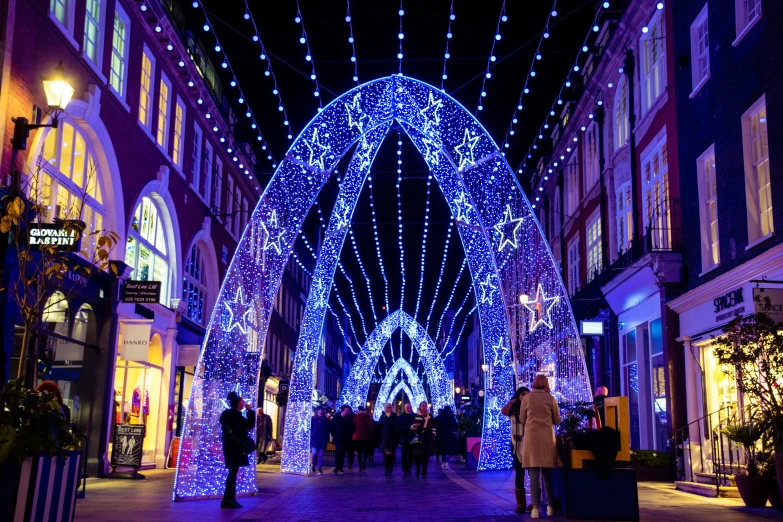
<point x="58" y="94"/>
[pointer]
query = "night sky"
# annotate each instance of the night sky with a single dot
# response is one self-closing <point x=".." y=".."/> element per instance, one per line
<point x="376" y="25"/>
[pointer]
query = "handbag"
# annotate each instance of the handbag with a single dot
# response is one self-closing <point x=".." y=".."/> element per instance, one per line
<point x="416" y="439"/>
<point x="271" y="446"/>
<point x="246" y="446"/>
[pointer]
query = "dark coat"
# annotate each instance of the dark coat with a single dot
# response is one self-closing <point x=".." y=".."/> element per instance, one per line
<point x="342" y="429"/>
<point x="446" y="425"/>
<point x="388" y="431"/>
<point x="404" y="422"/>
<point x="427" y="434"/>
<point x="363" y="426"/>
<point x="235" y="429"/>
<point x="264" y="430"/>
<point x="320" y="427"/>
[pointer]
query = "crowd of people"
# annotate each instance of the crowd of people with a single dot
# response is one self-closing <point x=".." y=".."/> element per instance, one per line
<point x="356" y="436"/>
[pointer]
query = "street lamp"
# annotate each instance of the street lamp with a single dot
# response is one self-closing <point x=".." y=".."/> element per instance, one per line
<point x="457" y="390"/>
<point x="58" y="94"/>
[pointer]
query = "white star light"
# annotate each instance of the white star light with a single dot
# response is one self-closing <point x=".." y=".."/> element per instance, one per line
<point x="508" y="219"/>
<point x="431" y="152"/>
<point x="271" y="241"/>
<point x="363" y="153"/>
<point x="342" y="214"/>
<point x="430" y="113"/>
<point x="500" y="349"/>
<point x="238" y="320"/>
<point x="356" y="116"/>
<point x="487" y="289"/>
<point x="461" y="207"/>
<point x="493" y="420"/>
<point x="466" y="158"/>
<point x="539" y="310"/>
<point x="317" y="150"/>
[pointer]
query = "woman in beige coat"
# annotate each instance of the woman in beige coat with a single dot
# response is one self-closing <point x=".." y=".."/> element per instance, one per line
<point x="539" y="414"/>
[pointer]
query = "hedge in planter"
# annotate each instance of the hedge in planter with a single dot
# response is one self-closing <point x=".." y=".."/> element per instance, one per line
<point x="652" y="466"/>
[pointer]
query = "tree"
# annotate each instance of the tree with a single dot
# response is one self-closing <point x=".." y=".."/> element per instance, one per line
<point x="43" y="264"/>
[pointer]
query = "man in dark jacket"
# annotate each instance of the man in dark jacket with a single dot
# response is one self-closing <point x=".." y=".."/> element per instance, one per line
<point x="388" y="423"/>
<point x="320" y="428"/>
<point x="404" y="435"/>
<point x="342" y="431"/>
<point x="235" y="428"/>
<point x="263" y="433"/>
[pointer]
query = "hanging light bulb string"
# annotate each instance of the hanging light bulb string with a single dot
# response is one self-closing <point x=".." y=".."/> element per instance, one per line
<point x="531" y="73"/>
<point x="241" y="100"/>
<point x="364" y="273"/>
<point x="451" y="296"/>
<point x="351" y="39"/>
<point x="491" y="58"/>
<point x="378" y="245"/>
<point x="456" y="314"/>
<point x="400" y="36"/>
<point x="342" y="332"/>
<point x="423" y="248"/>
<point x="308" y="56"/>
<point x="447" y="55"/>
<point x="459" y="335"/>
<point x="399" y="223"/>
<point x="440" y="276"/>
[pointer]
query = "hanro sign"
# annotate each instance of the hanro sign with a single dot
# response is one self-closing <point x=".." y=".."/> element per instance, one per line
<point x="64" y="235"/>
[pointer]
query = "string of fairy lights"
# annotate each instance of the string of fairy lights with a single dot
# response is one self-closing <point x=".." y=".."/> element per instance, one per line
<point x="351" y="40"/>
<point x="491" y="58"/>
<point x="400" y="37"/>
<point x="378" y="244"/>
<point x="440" y="276"/>
<point x="447" y="55"/>
<point x="447" y="307"/>
<point x="424" y="247"/>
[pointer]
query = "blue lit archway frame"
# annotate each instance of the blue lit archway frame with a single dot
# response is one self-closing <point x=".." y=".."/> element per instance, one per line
<point x="412" y="387"/>
<point x="507" y="254"/>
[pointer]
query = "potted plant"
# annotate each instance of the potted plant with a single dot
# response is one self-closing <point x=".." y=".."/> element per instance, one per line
<point x="752" y="352"/>
<point x="35" y="445"/>
<point x="752" y="482"/>
<point x="652" y="466"/>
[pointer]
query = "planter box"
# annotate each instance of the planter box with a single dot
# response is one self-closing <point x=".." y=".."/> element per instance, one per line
<point x="590" y="494"/>
<point x="41" y="489"/>
<point x="653" y="473"/>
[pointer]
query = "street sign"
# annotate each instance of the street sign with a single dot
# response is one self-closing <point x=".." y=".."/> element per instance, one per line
<point x="140" y="292"/>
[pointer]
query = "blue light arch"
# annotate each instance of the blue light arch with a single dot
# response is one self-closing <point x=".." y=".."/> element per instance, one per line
<point x="507" y="253"/>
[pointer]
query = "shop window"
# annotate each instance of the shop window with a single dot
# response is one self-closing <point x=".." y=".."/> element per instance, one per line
<point x="758" y="192"/>
<point x="621" y="128"/>
<point x="67" y="183"/>
<point x="195" y="290"/>
<point x="119" y="51"/>
<point x="55" y="313"/>
<point x="93" y="36"/>
<point x="658" y="367"/>
<point x="147" y="251"/>
<point x="653" y="61"/>
<point x="708" y="209"/>
<point x="624" y="217"/>
<point x="631" y="386"/>
<point x="655" y="190"/>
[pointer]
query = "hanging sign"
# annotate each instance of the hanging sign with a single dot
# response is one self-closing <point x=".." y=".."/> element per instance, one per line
<point x="592" y="327"/>
<point x="188" y="354"/>
<point x="769" y="301"/>
<point x="140" y="292"/>
<point x="63" y="236"/>
<point x="135" y="344"/>
<point x="126" y="451"/>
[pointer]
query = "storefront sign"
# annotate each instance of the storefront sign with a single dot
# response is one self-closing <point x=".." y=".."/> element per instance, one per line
<point x="128" y="440"/>
<point x="68" y="351"/>
<point x="188" y="354"/>
<point x="135" y="344"/>
<point x="769" y="301"/>
<point x="283" y="386"/>
<point x="63" y="236"/>
<point x="728" y="305"/>
<point x="140" y="292"/>
<point x="592" y="327"/>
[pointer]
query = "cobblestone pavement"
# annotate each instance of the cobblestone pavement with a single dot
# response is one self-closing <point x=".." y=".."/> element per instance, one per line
<point x="457" y="495"/>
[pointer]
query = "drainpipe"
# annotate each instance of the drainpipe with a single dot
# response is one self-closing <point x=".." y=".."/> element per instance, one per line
<point x="603" y="208"/>
<point x="629" y="66"/>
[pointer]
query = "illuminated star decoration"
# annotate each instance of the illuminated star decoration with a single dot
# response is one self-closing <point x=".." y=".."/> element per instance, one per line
<point x="363" y="153"/>
<point x="269" y="241"/>
<point x="541" y="308"/>
<point x="508" y="221"/>
<point x="317" y="150"/>
<point x="430" y="114"/>
<point x="356" y="116"/>
<point x="342" y="214"/>
<point x="431" y="152"/>
<point x="461" y="207"/>
<point x="493" y="421"/>
<point x="499" y="349"/>
<point x="487" y="290"/>
<point x="240" y="318"/>
<point x="319" y="292"/>
<point x="466" y="158"/>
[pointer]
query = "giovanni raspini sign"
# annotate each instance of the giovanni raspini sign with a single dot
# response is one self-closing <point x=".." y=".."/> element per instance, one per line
<point x="64" y="235"/>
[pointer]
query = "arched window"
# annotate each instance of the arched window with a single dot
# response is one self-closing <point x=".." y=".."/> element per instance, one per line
<point x="66" y="181"/>
<point x="147" y="252"/>
<point x="194" y="288"/>
<point x="55" y="313"/>
<point x="621" y="131"/>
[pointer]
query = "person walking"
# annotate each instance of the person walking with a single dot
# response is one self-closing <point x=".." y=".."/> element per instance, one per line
<point x="362" y="436"/>
<point x="512" y="410"/>
<point x="437" y="446"/>
<point x="424" y="439"/>
<point x="235" y="428"/>
<point x="446" y="426"/>
<point x="342" y="431"/>
<point x="404" y="434"/>
<point x="51" y="388"/>
<point x="263" y="433"/>
<point x="388" y="429"/>
<point x="539" y="414"/>
<point x="319" y="436"/>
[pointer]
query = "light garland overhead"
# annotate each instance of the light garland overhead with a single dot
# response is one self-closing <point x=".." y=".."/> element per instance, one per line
<point x="309" y="55"/>
<point x="447" y="55"/>
<point x="400" y="37"/>
<point x="349" y="19"/>
<point x="440" y="276"/>
<point x="451" y="296"/>
<point x="491" y="58"/>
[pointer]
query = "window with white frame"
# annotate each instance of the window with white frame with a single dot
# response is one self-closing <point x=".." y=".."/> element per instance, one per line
<point x="67" y="183"/>
<point x="655" y="193"/>
<point x="196" y="151"/>
<point x="119" y="51"/>
<point x="179" y="133"/>
<point x="708" y="209"/>
<point x="145" y="93"/>
<point x="624" y="217"/>
<point x="245" y="214"/>
<point x="229" y="203"/>
<point x="594" y="246"/>
<point x="63" y="12"/>
<point x="757" y="179"/>
<point x="164" y="112"/>
<point x="653" y="66"/>
<point x="573" y="266"/>
<point x="194" y="290"/>
<point x="92" y="32"/>
<point x="556" y="213"/>
<point x="621" y="129"/>
<point x="700" y="49"/>
<point x="237" y="209"/>
<point x="747" y="13"/>
<point x="147" y="249"/>
<point x="572" y="186"/>
<point x="217" y="181"/>
<point x="207" y="184"/>
<point x="591" y="157"/>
